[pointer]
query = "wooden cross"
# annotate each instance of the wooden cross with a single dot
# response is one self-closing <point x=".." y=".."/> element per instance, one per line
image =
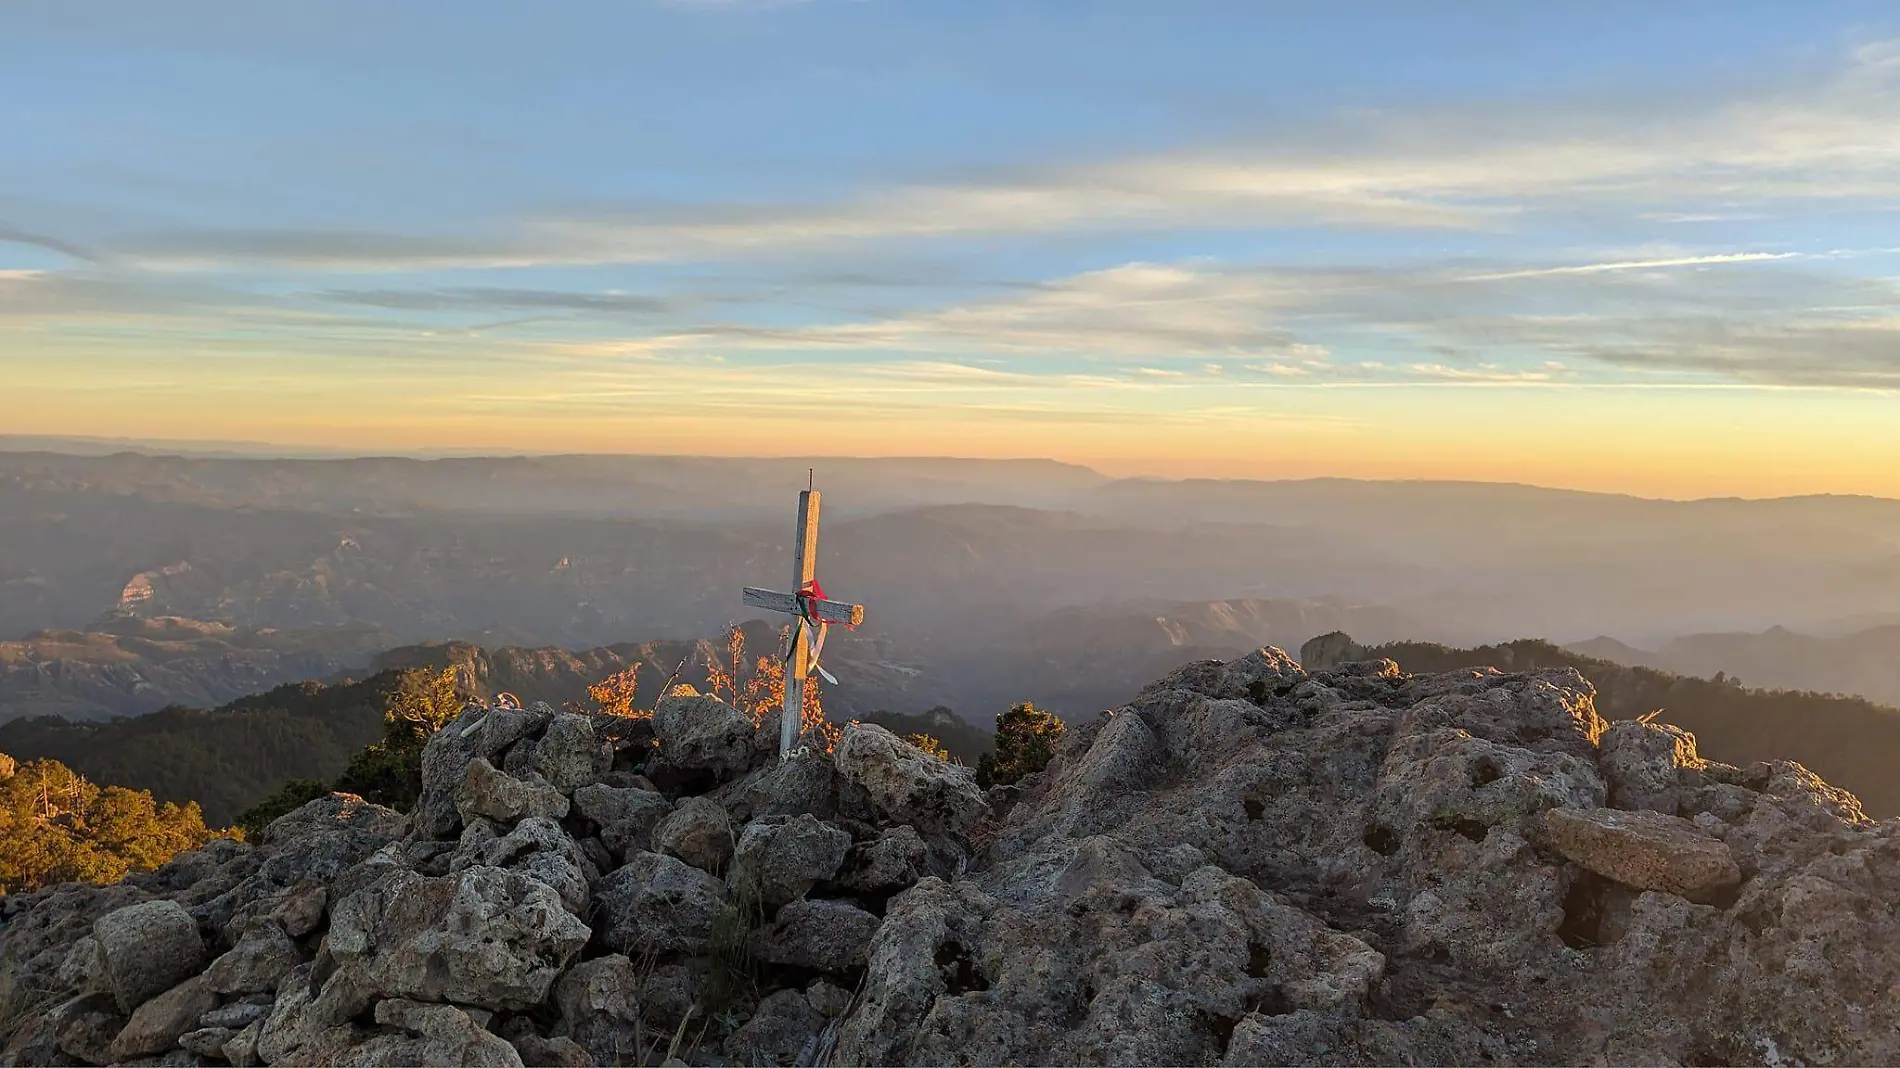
<point x="809" y="613"/>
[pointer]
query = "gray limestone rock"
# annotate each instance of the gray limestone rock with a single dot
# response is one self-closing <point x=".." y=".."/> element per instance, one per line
<point x="483" y="937"/>
<point x="145" y="949"/>
<point x="903" y="784"/>
<point x="781" y="858"/>
<point x="784" y="1027"/>
<point x="698" y="832"/>
<point x="1645" y="851"/>
<point x="261" y="957"/>
<point x="658" y="904"/>
<point x="489" y="793"/>
<point x="825" y="935"/>
<point x="570" y="755"/>
<point x="158" y="1023"/>
<point x="704" y="734"/>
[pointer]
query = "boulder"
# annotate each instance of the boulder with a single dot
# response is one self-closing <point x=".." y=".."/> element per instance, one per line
<point x="145" y="949"/>
<point x="625" y="815"/>
<point x="570" y="755"/>
<point x="828" y="998"/>
<point x="903" y="784"/>
<point x="703" y="734"/>
<point x="824" y="935"/>
<point x="536" y="847"/>
<point x="431" y="1034"/>
<point x="410" y="937"/>
<point x="487" y="792"/>
<point x="238" y="1014"/>
<point x="484" y="733"/>
<point x="781" y="858"/>
<point x="85" y="1027"/>
<point x="698" y="832"/>
<point x="1645" y="851"/>
<point x="780" y="1032"/>
<point x="158" y="1023"/>
<point x="658" y="904"/>
<point x="599" y="1002"/>
<point x="261" y="957"/>
<point x="895" y="859"/>
<point x="1641" y="763"/>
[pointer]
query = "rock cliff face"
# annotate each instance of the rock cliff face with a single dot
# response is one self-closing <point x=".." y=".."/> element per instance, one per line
<point x="1247" y="864"/>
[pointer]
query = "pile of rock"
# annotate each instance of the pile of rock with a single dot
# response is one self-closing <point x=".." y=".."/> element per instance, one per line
<point x="1247" y="864"/>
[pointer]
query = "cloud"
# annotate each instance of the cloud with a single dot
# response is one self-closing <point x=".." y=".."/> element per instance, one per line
<point x="1476" y="167"/>
<point x="479" y="297"/>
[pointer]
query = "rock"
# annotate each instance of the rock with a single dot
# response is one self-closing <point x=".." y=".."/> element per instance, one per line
<point x="569" y="755"/>
<point x="800" y="784"/>
<point x="1328" y="651"/>
<point x="145" y="949"/>
<point x="237" y="1015"/>
<point x="262" y="956"/>
<point x="559" y="1052"/>
<point x="703" y="734"/>
<point x="896" y="859"/>
<point x="410" y="936"/>
<point x="79" y="969"/>
<point x="207" y="1041"/>
<point x="625" y="816"/>
<point x="241" y="1050"/>
<point x="784" y="1026"/>
<point x="436" y="1034"/>
<point x="158" y="1023"/>
<point x="1641" y="763"/>
<point x="824" y="935"/>
<point x="906" y="785"/>
<point x="493" y="794"/>
<point x="537" y="847"/>
<point x="483" y="733"/>
<point x="827" y="998"/>
<point x="698" y="833"/>
<point x="600" y="1005"/>
<point x="85" y="1027"/>
<point x="781" y="858"/>
<point x="1646" y="851"/>
<point x="658" y="904"/>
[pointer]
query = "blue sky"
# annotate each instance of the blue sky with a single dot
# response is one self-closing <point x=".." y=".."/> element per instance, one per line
<point x="1641" y="246"/>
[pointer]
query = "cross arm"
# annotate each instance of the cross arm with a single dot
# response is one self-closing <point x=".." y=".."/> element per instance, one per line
<point x="826" y="611"/>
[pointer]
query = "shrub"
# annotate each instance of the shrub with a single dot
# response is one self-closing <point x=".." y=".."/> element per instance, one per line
<point x="1025" y="741"/>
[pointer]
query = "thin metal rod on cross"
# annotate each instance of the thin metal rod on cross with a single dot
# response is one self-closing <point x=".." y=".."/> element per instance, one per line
<point x="811" y="614"/>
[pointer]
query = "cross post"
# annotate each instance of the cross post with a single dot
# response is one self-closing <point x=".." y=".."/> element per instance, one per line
<point x="811" y="613"/>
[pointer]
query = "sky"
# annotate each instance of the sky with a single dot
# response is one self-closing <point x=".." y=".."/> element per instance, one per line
<point x="1649" y="248"/>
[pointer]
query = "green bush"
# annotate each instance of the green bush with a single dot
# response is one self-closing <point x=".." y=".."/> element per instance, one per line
<point x="1026" y="737"/>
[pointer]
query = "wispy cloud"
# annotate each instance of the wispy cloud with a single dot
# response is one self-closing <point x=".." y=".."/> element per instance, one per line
<point x="1470" y="168"/>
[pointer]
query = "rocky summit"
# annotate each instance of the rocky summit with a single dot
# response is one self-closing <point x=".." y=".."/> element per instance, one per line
<point x="1247" y="864"/>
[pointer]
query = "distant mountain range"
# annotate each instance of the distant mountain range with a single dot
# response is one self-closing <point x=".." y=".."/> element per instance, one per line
<point x="1866" y="662"/>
